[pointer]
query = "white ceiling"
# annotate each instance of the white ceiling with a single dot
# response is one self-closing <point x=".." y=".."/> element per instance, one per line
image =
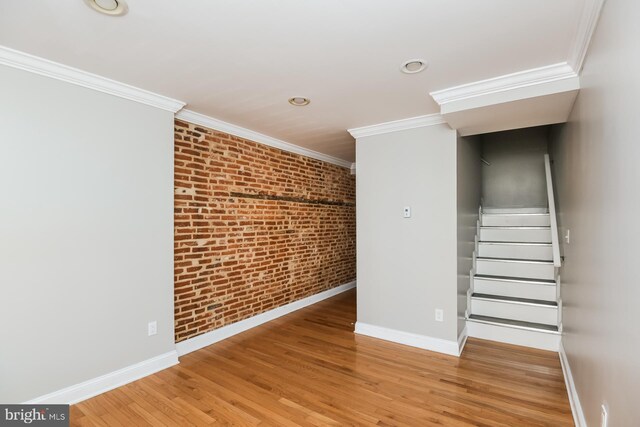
<point x="240" y="60"/>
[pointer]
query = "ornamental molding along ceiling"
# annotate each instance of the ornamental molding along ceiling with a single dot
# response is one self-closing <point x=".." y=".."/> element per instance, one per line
<point x="510" y="82"/>
<point x="54" y="70"/>
<point x="559" y="78"/>
<point x="212" y="123"/>
<point x="397" y="125"/>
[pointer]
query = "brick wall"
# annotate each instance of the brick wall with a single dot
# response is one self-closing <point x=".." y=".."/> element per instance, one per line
<point x="255" y="228"/>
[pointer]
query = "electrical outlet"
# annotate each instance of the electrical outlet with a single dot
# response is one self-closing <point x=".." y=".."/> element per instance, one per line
<point x="605" y="415"/>
<point x="567" y="237"/>
<point x="407" y="212"/>
<point x="439" y="315"/>
<point x="152" y="328"/>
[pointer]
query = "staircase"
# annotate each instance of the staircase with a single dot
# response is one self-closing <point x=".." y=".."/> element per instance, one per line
<point x="514" y="294"/>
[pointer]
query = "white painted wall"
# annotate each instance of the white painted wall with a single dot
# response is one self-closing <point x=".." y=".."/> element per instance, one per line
<point x="407" y="267"/>
<point x="515" y="178"/>
<point x="86" y="236"/>
<point x="469" y="189"/>
<point x="597" y="176"/>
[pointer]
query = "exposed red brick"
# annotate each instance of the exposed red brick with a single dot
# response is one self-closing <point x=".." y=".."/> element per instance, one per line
<point x="255" y="228"/>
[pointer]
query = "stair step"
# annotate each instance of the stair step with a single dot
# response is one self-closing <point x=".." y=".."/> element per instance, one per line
<point x="529" y="334"/>
<point x="516" y="219"/>
<point x="516" y="300"/>
<point x="515" y="287"/>
<point x="540" y="244"/>
<point x="530" y="326"/>
<point x="515" y="250"/>
<point x="515" y="213"/>
<point x="518" y="227"/>
<point x="516" y="279"/>
<point x="515" y="308"/>
<point x="486" y="210"/>
<point x="515" y="234"/>
<point x="516" y="260"/>
<point x="525" y="268"/>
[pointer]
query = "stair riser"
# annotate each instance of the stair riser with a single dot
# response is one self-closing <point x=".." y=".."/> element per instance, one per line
<point x="516" y="220"/>
<point x="527" y="270"/>
<point x="533" y="235"/>
<point x="524" y="312"/>
<point x="496" y="250"/>
<point x="532" y="339"/>
<point x="514" y="289"/>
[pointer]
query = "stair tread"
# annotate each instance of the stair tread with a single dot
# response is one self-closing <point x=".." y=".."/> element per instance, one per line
<point x="530" y="261"/>
<point x="515" y="279"/>
<point x="514" y="323"/>
<point x="499" y="242"/>
<point x="527" y="301"/>
<point x="515" y="214"/>
<point x="518" y="227"/>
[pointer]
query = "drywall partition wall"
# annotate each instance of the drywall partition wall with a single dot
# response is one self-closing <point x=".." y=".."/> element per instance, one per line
<point x="86" y="234"/>
<point x="515" y="177"/>
<point x="407" y="266"/>
<point x="596" y="174"/>
<point x="469" y="189"/>
<point x="256" y="228"/>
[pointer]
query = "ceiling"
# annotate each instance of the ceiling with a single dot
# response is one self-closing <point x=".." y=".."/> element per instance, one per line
<point x="240" y="60"/>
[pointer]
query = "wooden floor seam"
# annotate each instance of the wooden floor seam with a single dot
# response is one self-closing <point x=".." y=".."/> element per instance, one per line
<point x="309" y="369"/>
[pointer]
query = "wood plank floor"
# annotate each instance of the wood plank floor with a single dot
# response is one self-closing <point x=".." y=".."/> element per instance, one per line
<point x="310" y="369"/>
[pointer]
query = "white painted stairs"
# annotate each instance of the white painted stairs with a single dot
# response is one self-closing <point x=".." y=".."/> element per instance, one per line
<point x="514" y="290"/>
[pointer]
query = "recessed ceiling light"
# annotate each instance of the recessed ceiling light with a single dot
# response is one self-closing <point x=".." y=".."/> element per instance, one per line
<point x="413" y="66"/>
<point x="299" y="101"/>
<point x="108" y="7"/>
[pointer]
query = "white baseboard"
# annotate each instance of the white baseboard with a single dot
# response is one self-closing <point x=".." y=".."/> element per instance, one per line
<point x="408" y="338"/>
<point x="574" y="400"/>
<point x="462" y="340"/>
<point x="93" y="387"/>
<point x="196" y="343"/>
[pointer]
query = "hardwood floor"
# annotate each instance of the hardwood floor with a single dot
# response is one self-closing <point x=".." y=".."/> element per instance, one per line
<point x="310" y="369"/>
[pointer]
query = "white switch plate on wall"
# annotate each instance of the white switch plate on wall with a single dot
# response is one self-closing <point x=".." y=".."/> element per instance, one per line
<point x="407" y="212"/>
<point x="439" y="315"/>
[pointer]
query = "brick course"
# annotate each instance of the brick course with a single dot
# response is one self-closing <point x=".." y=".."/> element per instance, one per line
<point x="255" y="228"/>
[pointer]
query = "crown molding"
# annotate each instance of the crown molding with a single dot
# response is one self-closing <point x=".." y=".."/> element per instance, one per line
<point x="397" y="125"/>
<point x="587" y="26"/>
<point x="34" y="64"/>
<point x="523" y="79"/>
<point x="211" y="123"/>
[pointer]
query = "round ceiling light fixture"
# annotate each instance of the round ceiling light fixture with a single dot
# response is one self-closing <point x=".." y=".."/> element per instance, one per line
<point x="108" y="7"/>
<point x="299" y="101"/>
<point x="413" y="66"/>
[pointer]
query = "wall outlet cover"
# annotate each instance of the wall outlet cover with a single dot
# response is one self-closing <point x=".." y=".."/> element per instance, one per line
<point x="152" y="328"/>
